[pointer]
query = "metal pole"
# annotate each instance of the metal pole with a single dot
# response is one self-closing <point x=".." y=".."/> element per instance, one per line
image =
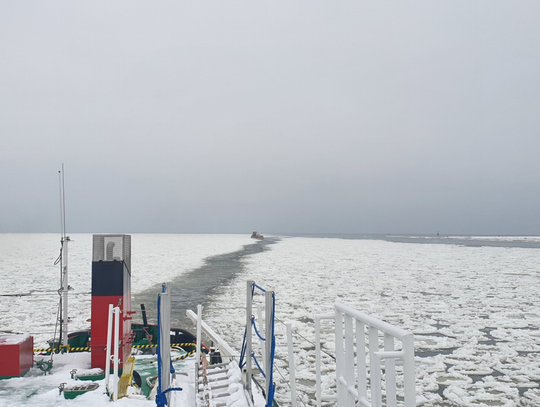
<point x="61" y="307"/>
<point x="199" y="334"/>
<point x="65" y="290"/>
<point x="165" y="341"/>
<point x="390" y="372"/>
<point x="374" y="367"/>
<point x="108" y="354"/>
<point x="116" y="351"/>
<point x="292" y="375"/>
<point x="408" y="371"/>
<point x="63" y="203"/>
<point x="349" y="358"/>
<point x="262" y="328"/>
<point x="198" y="351"/>
<point x="64" y="284"/>
<point x="318" y="390"/>
<point x="361" y="360"/>
<point x="340" y="359"/>
<point x="269" y="318"/>
<point x="249" y="310"/>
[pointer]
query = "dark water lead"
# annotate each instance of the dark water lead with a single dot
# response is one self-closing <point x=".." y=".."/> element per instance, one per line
<point x="196" y="286"/>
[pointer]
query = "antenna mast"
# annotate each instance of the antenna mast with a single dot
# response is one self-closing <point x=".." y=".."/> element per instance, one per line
<point x="64" y="287"/>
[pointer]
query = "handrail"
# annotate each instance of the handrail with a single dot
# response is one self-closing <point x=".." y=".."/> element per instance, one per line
<point x="374" y="322"/>
<point x="357" y="342"/>
<point x="227" y="352"/>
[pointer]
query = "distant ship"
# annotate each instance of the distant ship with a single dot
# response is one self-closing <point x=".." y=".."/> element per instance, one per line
<point x="255" y="235"/>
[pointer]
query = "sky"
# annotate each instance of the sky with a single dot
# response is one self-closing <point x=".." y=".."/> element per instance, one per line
<point x="278" y="116"/>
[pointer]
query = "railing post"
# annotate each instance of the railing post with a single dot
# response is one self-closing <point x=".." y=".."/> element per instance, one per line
<point x="375" y="368"/>
<point x="341" y="390"/>
<point x="108" y="353"/>
<point x="318" y="389"/>
<point x="349" y="357"/>
<point x="165" y="341"/>
<point x="361" y="361"/>
<point x="262" y="327"/>
<point x="116" y="351"/>
<point x="408" y="371"/>
<point x="292" y="375"/>
<point x="249" y="312"/>
<point x="390" y="372"/>
<point x="269" y="333"/>
<point x="199" y="334"/>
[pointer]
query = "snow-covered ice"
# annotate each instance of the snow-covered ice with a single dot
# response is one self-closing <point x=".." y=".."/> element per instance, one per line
<point x="473" y="310"/>
<point x="30" y="279"/>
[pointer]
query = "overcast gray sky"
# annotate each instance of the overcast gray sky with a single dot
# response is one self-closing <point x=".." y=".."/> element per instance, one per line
<point x="279" y="116"/>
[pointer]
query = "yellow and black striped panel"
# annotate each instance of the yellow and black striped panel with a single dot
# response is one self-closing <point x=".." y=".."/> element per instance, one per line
<point x="87" y="349"/>
<point x="70" y="349"/>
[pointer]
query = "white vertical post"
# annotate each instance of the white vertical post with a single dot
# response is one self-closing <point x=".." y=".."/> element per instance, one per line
<point x="375" y="368"/>
<point x="116" y="351"/>
<point x="165" y="340"/>
<point x="116" y="357"/>
<point x="65" y="290"/>
<point x="408" y="371"/>
<point x="262" y="329"/>
<point x="199" y="334"/>
<point x="361" y="360"/>
<point x="318" y="389"/>
<point x="349" y="356"/>
<point x="108" y="355"/>
<point x="390" y="372"/>
<point x="249" y="310"/>
<point x="269" y="333"/>
<point x="341" y="390"/>
<point x="198" y="350"/>
<point x="292" y="375"/>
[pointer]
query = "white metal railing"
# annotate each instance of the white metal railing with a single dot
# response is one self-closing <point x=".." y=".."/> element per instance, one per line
<point x="266" y="328"/>
<point x="226" y="352"/>
<point x="360" y="358"/>
<point x="112" y="353"/>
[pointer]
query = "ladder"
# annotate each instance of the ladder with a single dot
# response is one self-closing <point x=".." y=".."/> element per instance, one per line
<point x="215" y="384"/>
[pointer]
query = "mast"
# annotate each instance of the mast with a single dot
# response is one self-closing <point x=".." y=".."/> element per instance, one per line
<point x="64" y="287"/>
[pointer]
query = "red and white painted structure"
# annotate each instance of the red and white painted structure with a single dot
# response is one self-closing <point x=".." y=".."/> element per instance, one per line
<point x="111" y="284"/>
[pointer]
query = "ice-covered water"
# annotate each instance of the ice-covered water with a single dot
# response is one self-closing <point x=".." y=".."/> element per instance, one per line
<point x="472" y="307"/>
<point x="30" y="280"/>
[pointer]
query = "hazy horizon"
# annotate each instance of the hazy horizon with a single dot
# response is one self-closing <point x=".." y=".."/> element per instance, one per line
<point x="303" y="117"/>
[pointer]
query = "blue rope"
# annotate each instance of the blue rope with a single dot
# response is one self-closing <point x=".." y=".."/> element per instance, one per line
<point x="259" y="287"/>
<point x="242" y="362"/>
<point x="161" y="398"/>
<point x="243" y="351"/>
<point x="256" y="331"/>
<point x="259" y="366"/>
